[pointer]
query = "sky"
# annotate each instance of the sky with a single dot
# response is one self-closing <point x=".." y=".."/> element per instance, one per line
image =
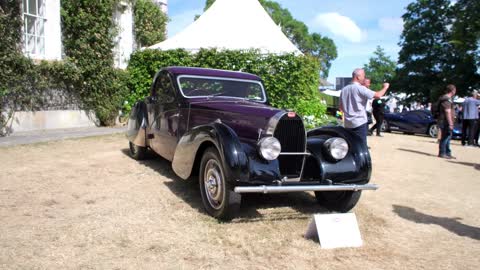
<point x="356" y="26"/>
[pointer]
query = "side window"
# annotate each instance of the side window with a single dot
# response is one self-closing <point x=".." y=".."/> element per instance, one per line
<point x="163" y="88"/>
<point x="414" y="115"/>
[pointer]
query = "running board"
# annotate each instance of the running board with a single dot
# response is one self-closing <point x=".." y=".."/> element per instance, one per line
<point x="289" y="188"/>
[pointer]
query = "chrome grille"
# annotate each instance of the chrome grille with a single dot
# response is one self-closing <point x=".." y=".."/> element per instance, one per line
<point x="291" y="134"/>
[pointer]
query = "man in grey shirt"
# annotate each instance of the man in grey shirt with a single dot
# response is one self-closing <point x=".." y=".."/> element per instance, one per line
<point x="353" y="102"/>
<point x="470" y="117"/>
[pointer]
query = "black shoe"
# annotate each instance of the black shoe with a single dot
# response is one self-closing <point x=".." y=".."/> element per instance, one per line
<point x="379" y="135"/>
<point x="445" y="156"/>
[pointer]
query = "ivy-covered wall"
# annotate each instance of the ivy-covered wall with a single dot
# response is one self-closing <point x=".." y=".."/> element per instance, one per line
<point x="150" y="23"/>
<point x="88" y="30"/>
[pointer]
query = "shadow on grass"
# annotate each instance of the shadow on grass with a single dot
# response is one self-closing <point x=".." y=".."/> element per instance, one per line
<point x="416" y="152"/>
<point x="451" y="224"/>
<point x="188" y="190"/>
<point x="474" y="165"/>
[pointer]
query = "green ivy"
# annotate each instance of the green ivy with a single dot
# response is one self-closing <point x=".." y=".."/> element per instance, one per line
<point x="17" y="76"/>
<point x="150" y="23"/>
<point x="88" y="31"/>
<point x="291" y="81"/>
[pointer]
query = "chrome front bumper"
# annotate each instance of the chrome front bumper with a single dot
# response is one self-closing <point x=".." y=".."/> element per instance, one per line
<point x="298" y="188"/>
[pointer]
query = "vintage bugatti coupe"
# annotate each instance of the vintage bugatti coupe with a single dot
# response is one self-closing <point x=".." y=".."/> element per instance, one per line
<point x="217" y="125"/>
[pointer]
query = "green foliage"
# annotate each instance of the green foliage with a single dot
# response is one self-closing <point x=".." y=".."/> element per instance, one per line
<point x="291" y="81"/>
<point x="379" y="68"/>
<point x="150" y="23"/>
<point x="88" y="31"/>
<point x="313" y="112"/>
<point x="143" y="66"/>
<point x="322" y="48"/>
<point x="439" y="46"/>
<point x="465" y="39"/>
<point x="17" y="79"/>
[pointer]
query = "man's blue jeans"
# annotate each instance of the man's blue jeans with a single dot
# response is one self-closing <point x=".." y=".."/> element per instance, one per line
<point x="361" y="132"/>
<point x="444" y="145"/>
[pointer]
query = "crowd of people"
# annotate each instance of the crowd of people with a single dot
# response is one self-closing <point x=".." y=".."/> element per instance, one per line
<point x="355" y="97"/>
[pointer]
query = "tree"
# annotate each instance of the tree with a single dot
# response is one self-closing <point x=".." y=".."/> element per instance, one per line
<point x="379" y="68"/>
<point x="425" y="54"/>
<point x="322" y="48"/>
<point x="465" y="57"/>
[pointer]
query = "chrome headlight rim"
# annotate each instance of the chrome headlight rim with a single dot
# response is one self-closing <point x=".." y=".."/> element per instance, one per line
<point x="337" y="148"/>
<point x="269" y="148"/>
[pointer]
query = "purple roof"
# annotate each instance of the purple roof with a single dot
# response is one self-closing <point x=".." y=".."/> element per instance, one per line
<point x="211" y="72"/>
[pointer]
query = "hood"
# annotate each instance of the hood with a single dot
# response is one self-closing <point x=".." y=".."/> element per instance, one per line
<point x="244" y="117"/>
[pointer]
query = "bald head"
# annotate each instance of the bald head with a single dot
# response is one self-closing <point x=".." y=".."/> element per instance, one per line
<point x="358" y="75"/>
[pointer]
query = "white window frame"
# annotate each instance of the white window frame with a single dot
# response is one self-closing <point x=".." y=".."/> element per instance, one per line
<point x="38" y="51"/>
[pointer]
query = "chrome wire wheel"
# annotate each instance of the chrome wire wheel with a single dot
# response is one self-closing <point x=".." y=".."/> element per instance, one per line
<point x="433" y="131"/>
<point x="214" y="184"/>
<point x="384" y="126"/>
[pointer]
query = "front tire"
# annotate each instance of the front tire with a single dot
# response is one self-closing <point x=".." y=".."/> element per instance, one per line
<point x="219" y="199"/>
<point x="433" y="130"/>
<point x="338" y="201"/>
<point x="385" y="127"/>
<point x="137" y="152"/>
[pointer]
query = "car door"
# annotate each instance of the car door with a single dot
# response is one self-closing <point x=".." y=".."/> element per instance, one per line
<point x="163" y="116"/>
<point x="397" y="121"/>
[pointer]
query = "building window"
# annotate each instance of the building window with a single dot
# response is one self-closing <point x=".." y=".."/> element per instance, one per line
<point x="34" y="27"/>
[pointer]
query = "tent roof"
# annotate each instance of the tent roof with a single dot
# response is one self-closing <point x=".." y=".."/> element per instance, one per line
<point x="234" y="25"/>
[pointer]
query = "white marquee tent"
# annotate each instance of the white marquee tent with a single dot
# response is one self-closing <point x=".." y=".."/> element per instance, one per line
<point x="234" y="25"/>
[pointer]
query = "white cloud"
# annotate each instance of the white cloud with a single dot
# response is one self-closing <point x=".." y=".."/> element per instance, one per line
<point x="179" y="21"/>
<point x="391" y="24"/>
<point x="341" y="26"/>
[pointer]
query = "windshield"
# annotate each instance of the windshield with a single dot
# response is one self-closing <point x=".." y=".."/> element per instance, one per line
<point x="196" y="86"/>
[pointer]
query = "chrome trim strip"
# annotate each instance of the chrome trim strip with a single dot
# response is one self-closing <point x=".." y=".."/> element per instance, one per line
<point x="295" y="154"/>
<point x="281" y="189"/>
<point x="273" y="122"/>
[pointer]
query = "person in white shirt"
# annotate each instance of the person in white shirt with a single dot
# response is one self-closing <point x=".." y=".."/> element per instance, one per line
<point x="353" y="102"/>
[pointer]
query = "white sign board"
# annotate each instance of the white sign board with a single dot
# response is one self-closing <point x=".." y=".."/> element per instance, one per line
<point x="335" y="230"/>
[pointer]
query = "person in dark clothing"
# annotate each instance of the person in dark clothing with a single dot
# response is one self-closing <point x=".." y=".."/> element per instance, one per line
<point x="378" y="109"/>
<point x="477" y="134"/>
<point x="445" y="121"/>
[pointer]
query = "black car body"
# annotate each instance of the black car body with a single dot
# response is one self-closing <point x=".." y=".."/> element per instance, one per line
<point x="217" y="125"/>
<point x="416" y="121"/>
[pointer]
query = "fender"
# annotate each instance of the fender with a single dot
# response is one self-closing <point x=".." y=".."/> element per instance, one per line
<point x="137" y="124"/>
<point x="356" y="167"/>
<point x="226" y="141"/>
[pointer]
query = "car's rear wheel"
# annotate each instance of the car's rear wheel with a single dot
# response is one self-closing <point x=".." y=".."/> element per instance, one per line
<point x="218" y="197"/>
<point x="137" y="152"/>
<point x="339" y="201"/>
<point x="433" y="130"/>
<point x="385" y="127"/>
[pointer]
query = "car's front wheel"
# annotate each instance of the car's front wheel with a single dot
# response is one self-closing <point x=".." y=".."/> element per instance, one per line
<point x="137" y="152"/>
<point x="339" y="201"/>
<point x="385" y="127"/>
<point x="218" y="197"/>
<point x="433" y="130"/>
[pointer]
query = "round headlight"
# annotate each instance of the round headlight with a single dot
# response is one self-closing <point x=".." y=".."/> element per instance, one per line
<point x="337" y="147"/>
<point x="269" y="148"/>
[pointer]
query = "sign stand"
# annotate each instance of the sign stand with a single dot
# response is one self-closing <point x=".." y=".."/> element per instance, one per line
<point x="335" y="230"/>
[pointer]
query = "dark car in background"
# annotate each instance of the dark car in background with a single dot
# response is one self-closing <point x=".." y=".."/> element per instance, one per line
<point x="415" y="122"/>
<point x="218" y="126"/>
